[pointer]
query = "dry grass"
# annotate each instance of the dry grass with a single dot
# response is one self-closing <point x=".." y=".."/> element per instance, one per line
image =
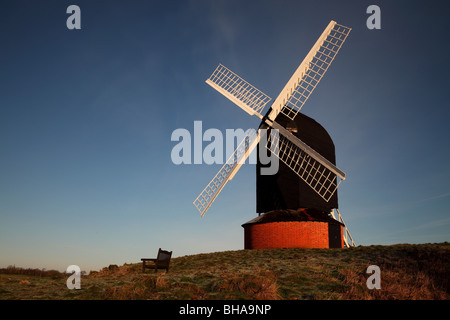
<point x="417" y="274"/>
<point x="261" y="285"/>
<point x="408" y="272"/>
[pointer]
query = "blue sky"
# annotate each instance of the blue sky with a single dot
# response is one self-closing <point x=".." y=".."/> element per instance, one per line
<point x="86" y="118"/>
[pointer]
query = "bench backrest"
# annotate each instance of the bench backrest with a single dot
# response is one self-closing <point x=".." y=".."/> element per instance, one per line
<point x="163" y="258"/>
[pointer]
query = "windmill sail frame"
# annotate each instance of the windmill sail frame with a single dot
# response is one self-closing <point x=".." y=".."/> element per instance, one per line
<point x="239" y="91"/>
<point x="312" y="69"/>
<point x="227" y="172"/>
<point x="316" y="171"/>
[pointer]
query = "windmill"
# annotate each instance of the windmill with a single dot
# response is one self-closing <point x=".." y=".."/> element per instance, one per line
<point x="309" y="166"/>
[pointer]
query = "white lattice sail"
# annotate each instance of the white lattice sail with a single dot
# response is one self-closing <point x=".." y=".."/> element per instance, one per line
<point x="242" y="93"/>
<point x="310" y="72"/>
<point x="228" y="170"/>
<point x="321" y="175"/>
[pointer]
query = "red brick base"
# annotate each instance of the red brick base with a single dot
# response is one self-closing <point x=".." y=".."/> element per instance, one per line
<point x="292" y="234"/>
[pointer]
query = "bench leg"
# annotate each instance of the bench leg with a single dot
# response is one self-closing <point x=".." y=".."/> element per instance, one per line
<point x="143" y="266"/>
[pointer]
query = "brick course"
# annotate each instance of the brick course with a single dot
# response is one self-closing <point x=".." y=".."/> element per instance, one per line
<point x="291" y="234"/>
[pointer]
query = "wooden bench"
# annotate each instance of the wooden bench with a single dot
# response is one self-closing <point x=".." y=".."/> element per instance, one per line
<point x="161" y="262"/>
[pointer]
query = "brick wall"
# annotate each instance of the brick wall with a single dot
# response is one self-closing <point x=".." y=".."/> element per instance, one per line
<point x="292" y="234"/>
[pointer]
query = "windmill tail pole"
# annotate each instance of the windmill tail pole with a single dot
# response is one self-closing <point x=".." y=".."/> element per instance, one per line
<point x="347" y="234"/>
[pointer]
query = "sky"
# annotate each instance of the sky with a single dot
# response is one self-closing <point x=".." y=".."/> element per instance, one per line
<point x="86" y="118"/>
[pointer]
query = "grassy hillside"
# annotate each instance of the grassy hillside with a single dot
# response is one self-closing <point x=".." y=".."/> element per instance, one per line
<point x="407" y="272"/>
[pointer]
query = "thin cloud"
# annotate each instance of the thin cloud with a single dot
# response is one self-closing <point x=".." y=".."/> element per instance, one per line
<point x="436" y="197"/>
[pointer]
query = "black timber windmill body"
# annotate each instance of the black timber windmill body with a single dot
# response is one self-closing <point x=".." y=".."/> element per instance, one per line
<point x="284" y="190"/>
<point x="307" y="175"/>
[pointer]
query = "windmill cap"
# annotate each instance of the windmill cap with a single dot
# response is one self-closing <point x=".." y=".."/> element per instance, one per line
<point x="285" y="215"/>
